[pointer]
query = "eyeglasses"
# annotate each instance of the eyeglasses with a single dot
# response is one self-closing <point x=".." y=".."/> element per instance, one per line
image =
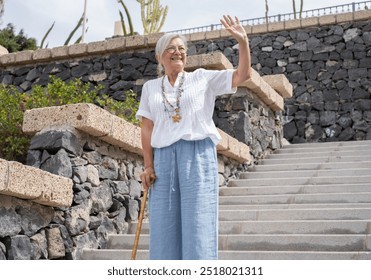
<point x="172" y="49"/>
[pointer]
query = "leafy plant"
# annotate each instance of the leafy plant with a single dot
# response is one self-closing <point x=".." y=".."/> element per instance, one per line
<point x="14" y="143"/>
<point x="16" y="42"/>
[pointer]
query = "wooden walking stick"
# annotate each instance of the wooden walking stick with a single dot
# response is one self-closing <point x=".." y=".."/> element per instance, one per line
<point x="140" y="220"/>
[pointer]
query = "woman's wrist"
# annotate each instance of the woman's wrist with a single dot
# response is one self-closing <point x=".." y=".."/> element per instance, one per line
<point x="148" y="167"/>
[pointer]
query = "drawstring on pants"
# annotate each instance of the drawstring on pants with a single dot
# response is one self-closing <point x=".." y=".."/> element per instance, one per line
<point x="172" y="175"/>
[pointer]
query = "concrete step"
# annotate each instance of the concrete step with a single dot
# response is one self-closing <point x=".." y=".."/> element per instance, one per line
<point x="105" y="254"/>
<point x="350" y="171"/>
<point x="297" y="199"/>
<point x="322" y="148"/>
<point x="112" y="254"/>
<point x="296" y="227"/>
<point x="300" y="181"/>
<point x="267" y="242"/>
<point x="126" y="241"/>
<point x="328" y="144"/>
<point x="299" y="189"/>
<point x="293" y="206"/>
<point x="302" y="155"/>
<point x="295" y="242"/>
<point x="293" y="255"/>
<point x="290" y="227"/>
<point x="318" y="159"/>
<point x="295" y="214"/>
<point x="306" y="201"/>
<point x="310" y="166"/>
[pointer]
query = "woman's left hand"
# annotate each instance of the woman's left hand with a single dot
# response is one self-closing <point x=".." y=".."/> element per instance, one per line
<point x="235" y="28"/>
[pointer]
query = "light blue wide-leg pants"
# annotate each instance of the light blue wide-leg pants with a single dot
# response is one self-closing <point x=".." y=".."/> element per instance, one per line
<point x="183" y="202"/>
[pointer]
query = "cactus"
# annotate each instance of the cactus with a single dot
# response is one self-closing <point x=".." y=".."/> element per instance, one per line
<point x="301" y="8"/>
<point x="45" y="36"/>
<point x="131" y="29"/>
<point x="74" y="31"/>
<point x="153" y="15"/>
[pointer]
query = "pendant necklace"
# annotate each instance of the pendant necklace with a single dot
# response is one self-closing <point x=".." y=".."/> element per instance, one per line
<point x="174" y="112"/>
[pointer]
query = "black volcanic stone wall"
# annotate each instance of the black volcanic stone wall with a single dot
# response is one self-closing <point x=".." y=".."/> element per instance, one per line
<point x="329" y="68"/>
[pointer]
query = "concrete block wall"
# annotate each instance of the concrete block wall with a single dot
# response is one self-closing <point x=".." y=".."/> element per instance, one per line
<point x="35" y="185"/>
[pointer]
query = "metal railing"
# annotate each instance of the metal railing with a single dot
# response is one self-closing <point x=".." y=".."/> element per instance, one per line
<point x="344" y="8"/>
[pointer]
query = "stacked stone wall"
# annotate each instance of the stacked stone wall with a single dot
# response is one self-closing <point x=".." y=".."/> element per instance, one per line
<point x="326" y="59"/>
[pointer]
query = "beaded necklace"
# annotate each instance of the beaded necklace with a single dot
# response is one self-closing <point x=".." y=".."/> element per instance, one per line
<point x="173" y="109"/>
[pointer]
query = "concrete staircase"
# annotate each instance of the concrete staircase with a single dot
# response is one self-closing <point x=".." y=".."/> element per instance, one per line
<point x="306" y="201"/>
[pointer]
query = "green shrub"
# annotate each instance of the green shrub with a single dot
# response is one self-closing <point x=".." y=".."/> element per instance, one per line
<point x="14" y="143"/>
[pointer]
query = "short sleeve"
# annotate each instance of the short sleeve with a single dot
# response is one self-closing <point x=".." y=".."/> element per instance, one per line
<point x="144" y="109"/>
<point x="220" y="81"/>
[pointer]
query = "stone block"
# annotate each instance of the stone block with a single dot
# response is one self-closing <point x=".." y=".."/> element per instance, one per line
<point x="276" y="26"/>
<point x="34" y="184"/>
<point x="215" y="61"/>
<point x="56" y="190"/>
<point x="193" y="62"/>
<point x="278" y="105"/>
<point x="3" y="50"/>
<point x="83" y="116"/>
<point x="248" y="29"/>
<point x="35" y="120"/>
<point x="187" y="36"/>
<point x="77" y="50"/>
<point x="233" y="148"/>
<point x="23" y="181"/>
<point x="3" y="175"/>
<point x="292" y="24"/>
<point x="279" y="83"/>
<point x="136" y="41"/>
<point x="60" y="52"/>
<point x="345" y="17"/>
<point x="42" y="55"/>
<point x="23" y="57"/>
<point x="198" y="36"/>
<point x="116" y="44"/>
<point x="307" y="22"/>
<point x="362" y="15"/>
<point x="254" y="82"/>
<point x="266" y="93"/>
<point x="245" y="153"/>
<point x="153" y="38"/>
<point x="212" y="35"/>
<point x="224" y="33"/>
<point x="6" y="59"/>
<point x="260" y="28"/>
<point x="223" y="143"/>
<point x="97" y="47"/>
<point x="124" y="134"/>
<point x="328" y="19"/>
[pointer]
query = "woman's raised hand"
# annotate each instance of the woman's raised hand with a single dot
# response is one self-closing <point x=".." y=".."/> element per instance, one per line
<point x="234" y="27"/>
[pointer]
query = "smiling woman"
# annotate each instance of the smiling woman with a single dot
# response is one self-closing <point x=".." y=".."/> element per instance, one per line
<point x="179" y="141"/>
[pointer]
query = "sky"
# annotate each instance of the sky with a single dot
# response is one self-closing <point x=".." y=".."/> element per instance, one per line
<point x="35" y="17"/>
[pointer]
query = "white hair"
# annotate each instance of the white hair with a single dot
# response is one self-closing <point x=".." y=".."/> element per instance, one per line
<point x="161" y="46"/>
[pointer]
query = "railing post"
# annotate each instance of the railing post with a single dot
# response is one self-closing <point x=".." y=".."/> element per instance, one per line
<point x="353" y="7"/>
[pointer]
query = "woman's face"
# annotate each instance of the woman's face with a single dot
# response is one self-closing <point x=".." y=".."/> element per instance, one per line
<point x="174" y="57"/>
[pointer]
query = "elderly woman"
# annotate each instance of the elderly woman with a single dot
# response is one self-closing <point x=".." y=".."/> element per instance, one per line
<point x="179" y="141"/>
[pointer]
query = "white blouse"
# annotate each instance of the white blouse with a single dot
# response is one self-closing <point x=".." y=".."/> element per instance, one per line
<point x="197" y="102"/>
